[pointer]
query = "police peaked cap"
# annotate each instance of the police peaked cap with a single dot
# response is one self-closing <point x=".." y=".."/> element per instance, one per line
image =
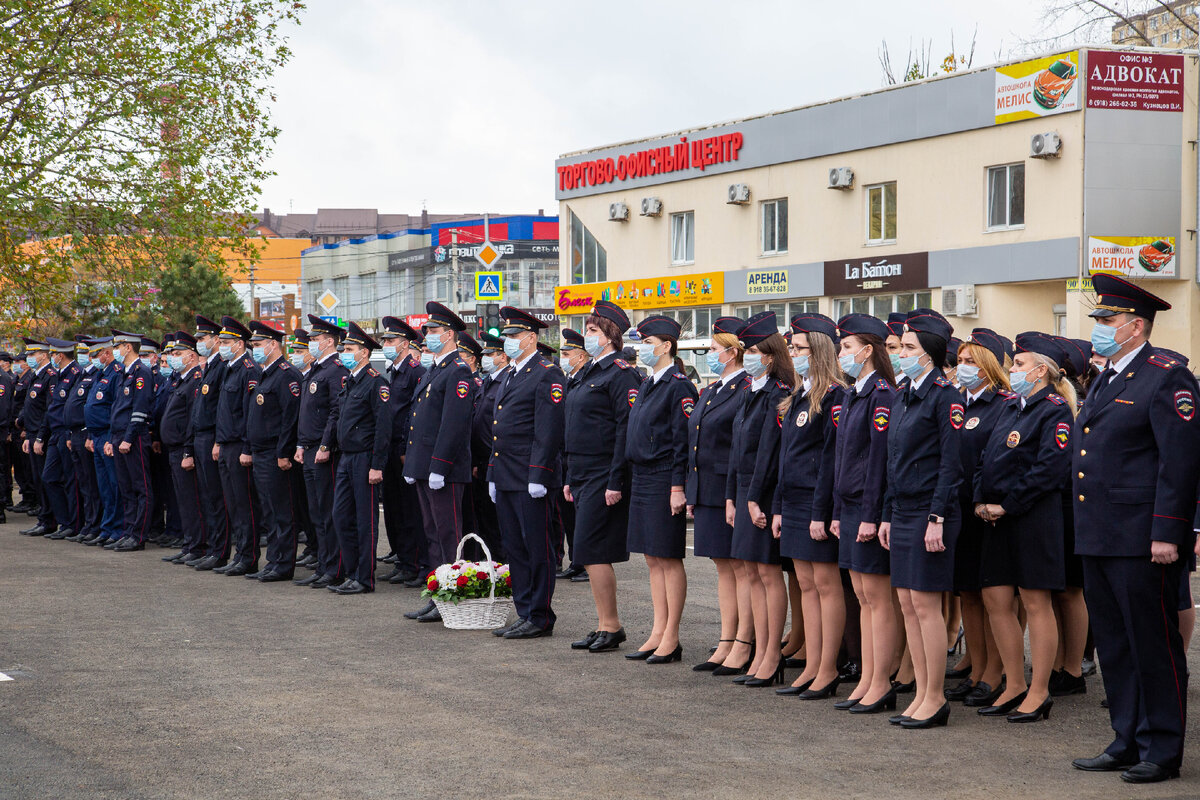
<point x="1116" y="296"/>
<point x="1042" y="344"/>
<point x="394" y="327"/>
<point x="854" y="324"/>
<point x="356" y="335"/>
<point x="59" y="345"/>
<point x="124" y="337"/>
<point x="814" y="323"/>
<point x="731" y="325"/>
<point x="546" y="349"/>
<point x="895" y="322"/>
<point x="232" y="329"/>
<point x="926" y="320"/>
<point x="205" y="326"/>
<point x="467" y="344"/>
<point x="613" y="313"/>
<point x="491" y="342"/>
<point x="149" y="345"/>
<point x="571" y="340"/>
<point x="518" y="321"/>
<point x="444" y="317"/>
<point x="1078" y="353"/>
<point x="261" y="331"/>
<point x="320" y="326"/>
<point x="300" y="336"/>
<point x="183" y="341"/>
<point x="98" y="343"/>
<point x="658" y="325"/>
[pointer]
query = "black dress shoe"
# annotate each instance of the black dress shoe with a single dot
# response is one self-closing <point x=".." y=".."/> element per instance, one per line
<point x="324" y="582"/>
<point x="210" y="563"/>
<point x="582" y="577"/>
<point x="253" y="576"/>
<point x="674" y="655"/>
<point x="425" y="609"/>
<point x="1148" y="772"/>
<point x="939" y="719"/>
<point x="415" y="582"/>
<point x="887" y="702"/>
<point x="585" y="642"/>
<point x="432" y="615"/>
<point x="569" y="572"/>
<point x="795" y="690"/>
<point x="1068" y="684"/>
<point x="93" y="541"/>
<point x="175" y="559"/>
<point x="309" y="581"/>
<point x="60" y="534"/>
<point x="845" y="705"/>
<point x="401" y="576"/>
<point x="352" y="587"/>
<point x="36" y="530"/>
<point x="983" y="695"/>
<point x="1039" y="713"/>
<point x="237" y="568"/>
<point x="1103" y="763"/>
<point x="824" y="693"/>
<point x="897" y="719"/>
<point x="527" y="630"/>
<point x="129" y="545"/>
<point x="1004" y="709"/>
<point x="961" y="691"/>
<point x="274" y="576"/>
<point x="221" y="570"/>
<point x="905" y="688"/>
<point x="390" y="558"/>
<point x="113" y="544"/>
<point x="958" y="673"/>
<point x="607" y="640"/>
<point x="639" y="655"/>
<point x="499" y="632"/>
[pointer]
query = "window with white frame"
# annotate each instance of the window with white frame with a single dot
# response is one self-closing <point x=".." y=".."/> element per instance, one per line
<point x="881" y="305"/>
<point x="589" y="261"/>
<point x="1006" y="197"/>
<point x="881" y="213"/>
<point x="783" y="311"/>
<point x="694" y="323"/>
<point x="683" y="237"/>
<point x="774" y="227"/>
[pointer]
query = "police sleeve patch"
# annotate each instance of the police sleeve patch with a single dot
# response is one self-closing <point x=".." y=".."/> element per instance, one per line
<point x="294" y="388"/>
<point x="687" y="404"/>
<point x="1062" y="435"/>
<point x="556" y="392"/>
<point x="463" y="389"/>
<point x="384" y="394"/>
<point x="140" y="383"/>
<point x="880" y="418"/>
<point x="836" y="413"/>
<point x="633" y="393"/>
<point x="779" y="418"/>
<point x="956" y="415"/>
<point x="1185" y="405"/>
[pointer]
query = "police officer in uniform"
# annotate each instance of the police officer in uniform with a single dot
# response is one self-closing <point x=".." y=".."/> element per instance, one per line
<point x="271" y="434"/>
<point x="129" y="442"/>
<point x="201" y="440"/>
<point x="528" y="430"/>
<point x="231" y="452"/>
<point x="493" y="364"/>
<point x="7" y="405"/>
<point x="1135" y="463"/>
<point x="83" y="464"/>
<point x="42" y="378"/>
<point x="363" y="425"/>
<point x="299" y="357"/>
<point x="166" y="528"/>
<point x="58" y="476"/>
<point x="97" y="414"/>
<point x="401" y="508"/>
<point x="315" y="434"/>
<point x="173" y="431"/>
<point x="438" y="458"/>
<point x="22" y="470"/>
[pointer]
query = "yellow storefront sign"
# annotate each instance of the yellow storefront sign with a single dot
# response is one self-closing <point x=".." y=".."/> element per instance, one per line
<point x="643" y="294"/>
<point x="1037" y="88"/>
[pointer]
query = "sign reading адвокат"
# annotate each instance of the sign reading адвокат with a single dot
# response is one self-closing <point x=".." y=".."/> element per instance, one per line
<point x="1134" y="81"/>
<point x="882" y="274"/>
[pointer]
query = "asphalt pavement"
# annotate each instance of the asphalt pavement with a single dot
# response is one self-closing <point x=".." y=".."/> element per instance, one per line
<point x="132" y="678"/>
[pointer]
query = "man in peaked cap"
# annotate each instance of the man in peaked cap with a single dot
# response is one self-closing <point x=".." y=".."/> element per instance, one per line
<point x="494" y="365"/>
<point x="320" y="394"/>
<point x="1134" y="484"/>
<point x="129" y="441"/>
<point x="32" y="420"/>
<point x="271" y="416"/>
<point x="200" y="444"/>
<point x="166" y="529"/>
<point x="176" y="419"/>
<point x="231" y="450"/>
<point x="401" y="506"/>
<point x="97" y="416"/>
<point x="438" y="456"/>
<point x="58" y="476"/>
<point x="82" y="463"/>
<point x="525" y="465"/>
<point x="299" y="357"/>
<point x="362" y="423"/>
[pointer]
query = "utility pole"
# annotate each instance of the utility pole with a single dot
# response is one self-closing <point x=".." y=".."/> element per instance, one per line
<point x="253" y="311"/>
<point x="454" y="279"/>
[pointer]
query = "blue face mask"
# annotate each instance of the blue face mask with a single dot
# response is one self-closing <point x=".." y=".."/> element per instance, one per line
<point x="1104" y="339"/>
<point x="348" y="361"/>
<point x="390" y="352"/>
<point x="96" y="363"/>
<point x="259" y="355"/>
<point x="592" y="345"/>
<point x="31" y="361"/>
<point x="297" y="360"/>
<point x="226" y="352"/>
<point x="911" y="366"/>
<point x="968" y="375"/>
<point x="203" y="349"/>
<point x="714" y="363"/>
<point x="753" y="362"/>
<point x="646" y="354"/>
<point x="1020" y="383"/>
<point x="564" y="364"/>
<point x="314" y="349"/>
<point x="801" y="365"/>
<point x="82" y="359"/>
<point x="849" y="365"/>
<point x="512" y="348"/>
<point x="166" y="371"/>
<point x="487" y="364"/>
<point x="895" y="359"/>
<point x="176" y="363"/>
<point x="435" y="342"/>
<point x="427" y="360"/>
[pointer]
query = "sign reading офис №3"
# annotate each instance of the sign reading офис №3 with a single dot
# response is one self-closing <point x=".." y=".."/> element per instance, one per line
<point x="767" y="281"/>
<point x="1037" y="88"/>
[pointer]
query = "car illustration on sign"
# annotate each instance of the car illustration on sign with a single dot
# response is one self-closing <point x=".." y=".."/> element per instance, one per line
<point x="1053" y="83"/>
<point x="1156" y="255"/>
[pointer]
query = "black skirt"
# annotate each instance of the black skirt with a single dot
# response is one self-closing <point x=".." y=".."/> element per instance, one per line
<point x="914" y="567"/>
<point x="868" y="558"/>
<point x="1073" y="563"/>
<point x="1026" y="550"/>
<point x="712" y="536"/>
<point x="795" y="541"/>
<point x="600" y="529"/>
<point x="968" y="552"/>
<point x="653" y="529"/>
<point x="750" y="542"/>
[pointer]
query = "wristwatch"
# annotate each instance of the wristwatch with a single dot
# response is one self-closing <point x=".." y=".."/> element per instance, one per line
<point x="936" y="518"/>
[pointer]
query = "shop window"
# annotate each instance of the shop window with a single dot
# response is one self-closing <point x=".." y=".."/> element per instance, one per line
<point x="774" y="227"/>
<point x="694" y="323"/>
<point x="881" y="213"/>
<point x="589" y="261"/>
<point x="783" y="311"/>
<point x="683" y="237"/>
<point x="1006" y="197"/>
<point x="366" y="296"/>
<point x="881" y="305"/>
<point x="341" y="290"/>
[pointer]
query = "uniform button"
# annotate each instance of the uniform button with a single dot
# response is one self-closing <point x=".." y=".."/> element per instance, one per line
<point x="1081" y="498"/>
<point x="1083" y="452"/>
<point x="499" y="406"/>
<point x="1087" y="430"/>
<point x="1081" y="474"/>
<point x="493" y="438"/>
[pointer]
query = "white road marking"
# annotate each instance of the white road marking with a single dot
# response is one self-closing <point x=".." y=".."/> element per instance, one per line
<point x="4" y="677"/>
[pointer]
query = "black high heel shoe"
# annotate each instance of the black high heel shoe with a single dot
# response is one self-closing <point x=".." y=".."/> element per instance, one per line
<point x="1004" y="709"/>
<point x="776" y="677"/>
<point x="825" y="692"/>
<point x="674" y="655"/>
<point x="957" y="674"/>
<point x="845" y="705"/>
<point x="888" y="702"/>
<point x="639" y="655"/>
<point x="709" y="666"/>
<point x="787" y="690"/>
<point x="897" y="719"/>
<point x="1039" y="713"/>
<point x="723" y="670"/>
<point x="958" y="641"/>
<point x="937" y="720"/>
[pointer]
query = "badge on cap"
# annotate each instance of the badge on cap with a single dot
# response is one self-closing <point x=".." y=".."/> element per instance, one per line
<point x="880" y="418"/>
<point x="687" y="404"/>
<point x="1062" y="435"/>
<point x="556" y="392"/>
<point x="1185" y="405"/>
<point x="1014" y="439"/>
<point x="972" y="423"/>
<point x="956" y="415"/>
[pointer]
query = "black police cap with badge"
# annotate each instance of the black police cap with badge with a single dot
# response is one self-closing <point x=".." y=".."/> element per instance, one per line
<point x="660" y="326"/>
<point x="758" y="329"/>
<point x="1115" y="295"/>
<point x="443" y="317"/>
<point x="862" y="324"/>
<point x="232" y="329"/>
<point x="183" y="341"/>
<point x="518" y="321"/>
<point x="300" y="336"/>
<point x="999" y="346"/>
<point x="491" y="343"/>
<point x="571" y="340"/>
<point x="895" y="322"/>
<point x="926" y="320"/>
<point x="1042" y="344"/>
<point x="606" y="309"/>
<point x="356" y="335"/>
<point x="323" y="326"/>
<point x="261" y="332"/>
<point x="396" y="328"/>
<point x="731" y="325"/>
<point x="205" y="326"/>
<point x="467" y="344"/>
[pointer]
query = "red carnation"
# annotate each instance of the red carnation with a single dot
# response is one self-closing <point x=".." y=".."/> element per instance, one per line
<point x="456" y="566"/>
<point x="432" y="584"/>
<point x="463" y="580"/>
<point x="508" y="580"/>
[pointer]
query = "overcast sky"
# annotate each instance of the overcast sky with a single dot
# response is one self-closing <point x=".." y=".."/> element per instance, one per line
<point x="463" y="106"/>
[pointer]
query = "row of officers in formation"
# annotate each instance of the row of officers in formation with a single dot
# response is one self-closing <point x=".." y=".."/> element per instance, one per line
<point x="885" y="471"/>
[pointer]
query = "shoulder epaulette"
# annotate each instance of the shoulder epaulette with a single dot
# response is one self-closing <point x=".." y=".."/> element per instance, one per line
<point x="1057" y="399"/>
<point x="679" y="376"/>
<point x="247" y="363"/>
<point x="746" y="381"/>
<point x="1006" y="394"/>
<point x="622" y="363"/>
<point x="782" y="385"/>
<point x="372" y="373"/>
<point x="882" y="384"/>
<point x="1161" y="361"/>
<point x="546" y="365"/>
<point x="478" y="381"/>
<point x="941" y="380"/>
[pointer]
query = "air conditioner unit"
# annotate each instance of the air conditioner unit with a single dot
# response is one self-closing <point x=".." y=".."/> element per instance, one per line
<point x="841" y="178"/>
<point x="1045" y="145"/>
<point x="618" y="212"/>
<point x="739" y="194"/>
<point x="651" y="207"/>
<point x="958" y="301"/>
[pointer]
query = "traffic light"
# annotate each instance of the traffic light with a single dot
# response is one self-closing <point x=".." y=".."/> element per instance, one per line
<point x="488" y="317"/>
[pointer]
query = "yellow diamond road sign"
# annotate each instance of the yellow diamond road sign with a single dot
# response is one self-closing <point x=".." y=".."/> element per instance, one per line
<point x="488" y="254"/>
<point x="328" y="301"/>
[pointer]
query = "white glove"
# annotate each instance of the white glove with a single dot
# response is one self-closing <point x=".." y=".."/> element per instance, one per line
<point x="492" y="491"/>
<point x="409" y="481"/>
<point x="536" y="491"/>
<point x="436" y="481"/>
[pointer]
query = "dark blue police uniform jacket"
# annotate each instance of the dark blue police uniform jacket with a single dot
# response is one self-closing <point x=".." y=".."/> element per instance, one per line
<point x="597" y="411"/>
<point x="710" y="434"/>
<point x="320" y="392"/>
<point x="1016" y="477"/>
<point x="177" y="415"/>
<point x="806" y="453"/>
<point x="439" y="436"/>
<point x="272" y="411"/>
<point x="860" y="468"/>
<point x="657" y="433"/>
<point x="924" y="464"/>
<point x="528" y="428"/>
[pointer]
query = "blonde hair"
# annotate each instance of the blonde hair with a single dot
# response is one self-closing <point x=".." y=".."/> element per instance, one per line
<point x="823" y="372"/>
<point x="1058" y="381"/>
<point x="993" y="371"/>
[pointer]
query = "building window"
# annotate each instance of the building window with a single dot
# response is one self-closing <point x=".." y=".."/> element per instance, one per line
<point x="774" y="227"/>
<point x="341" y="290"/>
<point x="881" y="305"/>
<point x="589" y="261"/>
<point x="1006" y="197"/>
<point x="881" y="213"/>
<point x="1179" y="34"/>
<point x="683" y="237"/>
<point x="783" y="311"/>
<point x="694" y="323"/>
<point x="366" y="295"/>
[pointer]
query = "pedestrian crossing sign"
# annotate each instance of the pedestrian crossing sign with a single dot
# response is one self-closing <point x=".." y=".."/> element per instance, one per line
<point x="489" y="286"/>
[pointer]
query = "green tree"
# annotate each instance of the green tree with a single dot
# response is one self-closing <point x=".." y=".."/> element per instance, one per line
<point x="190" y="287"/>
<point x="130" y="131"/>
